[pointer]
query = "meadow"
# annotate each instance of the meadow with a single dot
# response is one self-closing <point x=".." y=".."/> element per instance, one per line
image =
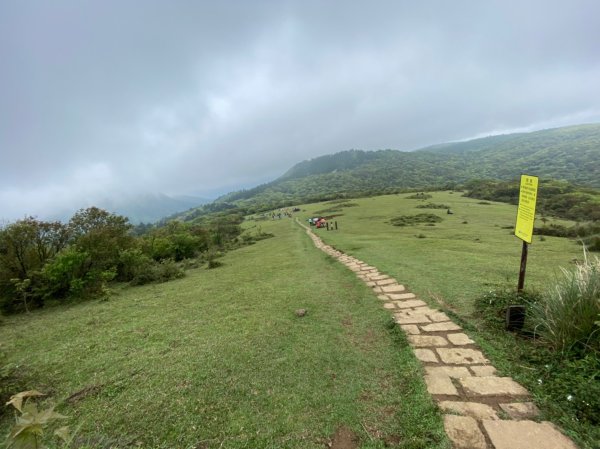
<point x="469" y="252"/>
<point x="467" y="264"/>
<point x="218" y="359"/>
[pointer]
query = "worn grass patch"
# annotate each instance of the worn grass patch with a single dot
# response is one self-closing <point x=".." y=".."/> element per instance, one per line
<point x="219" y="359"/>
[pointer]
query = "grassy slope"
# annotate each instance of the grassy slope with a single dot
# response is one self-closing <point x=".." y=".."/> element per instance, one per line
<point x="219" y="360"/>
<point x="456" y="261"/>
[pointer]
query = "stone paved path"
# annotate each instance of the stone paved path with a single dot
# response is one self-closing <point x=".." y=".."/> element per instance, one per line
<point x="483" y="411"/>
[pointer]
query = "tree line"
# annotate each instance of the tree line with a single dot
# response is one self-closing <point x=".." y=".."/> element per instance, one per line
<point x="47" y="262"/>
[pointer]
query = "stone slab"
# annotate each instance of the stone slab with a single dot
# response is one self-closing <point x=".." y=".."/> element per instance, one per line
<point x="451" y="371"/>
<point x="459" y="339"/>
<point x="417" y="319"/>
<point x="371" y="284"/>
<point x="383" y="297"/>
<point x="378" y="277"/>
<point x="483" y="371"/>
<point x="389" y="305"/>
<point x="425" y="355"/>
<point x="473" y="409"/>
<point x="492" y="386"/>
<point x="464" y="432"/>
<point x="441" y="327"/>
<point x="461" y="356"/>
<point x="402" y="296"/>
<point x="377" y="290"/>
<point x="409" y="303"/>
<point x="386" y="282"/>
<point x="520" y="410"/>
<point x="407" y="313"/>
<point x="395" y="288"/>
<point x="439" y="316"/>
<point x="425" y="310"/>
<point x="440" y="385"/>
<point x="424" y="341"/>
<point x="525" y="435"/>
<point x="410" y="329"/>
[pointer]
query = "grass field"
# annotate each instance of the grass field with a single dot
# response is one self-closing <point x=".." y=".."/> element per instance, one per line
<point x="218" y="359"/>
<point x="456" y="261"/>
<point x="467" y="253"/>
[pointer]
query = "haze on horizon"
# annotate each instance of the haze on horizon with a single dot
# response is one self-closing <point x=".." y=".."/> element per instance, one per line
<point x="104" y="98"/>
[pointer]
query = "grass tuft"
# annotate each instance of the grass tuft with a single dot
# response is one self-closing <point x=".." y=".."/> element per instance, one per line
<point x="569" y="316"/>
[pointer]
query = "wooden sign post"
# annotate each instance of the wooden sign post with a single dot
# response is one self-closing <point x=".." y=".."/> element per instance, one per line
<point x="525" y="218"/>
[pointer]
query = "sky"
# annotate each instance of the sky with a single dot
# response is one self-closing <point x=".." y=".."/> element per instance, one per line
<point x="101" y="98"/>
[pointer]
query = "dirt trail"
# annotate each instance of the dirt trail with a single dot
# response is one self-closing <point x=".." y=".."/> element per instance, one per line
<point x="482" y="410"/>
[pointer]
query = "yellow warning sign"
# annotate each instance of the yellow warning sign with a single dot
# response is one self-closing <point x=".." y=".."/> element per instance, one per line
<point x="526" y="211"/>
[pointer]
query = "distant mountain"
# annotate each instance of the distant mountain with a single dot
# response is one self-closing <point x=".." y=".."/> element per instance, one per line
<point x="570" y="153"/>
<point x="149" y="208"/>
<point x="139" y="208"/>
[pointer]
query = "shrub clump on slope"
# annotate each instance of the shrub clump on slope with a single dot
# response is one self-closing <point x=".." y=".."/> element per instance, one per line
<point x="407" y="220"/>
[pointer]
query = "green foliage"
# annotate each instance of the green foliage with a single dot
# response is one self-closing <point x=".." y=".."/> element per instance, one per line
<point x="419" y="196"/>
<point x="336" y="207"/>
<point x="555" y="198"/>
<point x="132" y="263"/>
<point x="432" y="206"/>
<point x="574" y="383"/>
<point x="570" y="153"/>
<point x="409" y="220"/>
<point x="31" y="423"/>
<point x="491" y="307"/>
<point x="25" y="247"/>
<point x="567" y="317"/>
<point x="162" y="271"/>
<point x="101" y="235"/>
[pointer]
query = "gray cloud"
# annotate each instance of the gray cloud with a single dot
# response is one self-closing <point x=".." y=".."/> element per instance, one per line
<point x="105" y="96"/>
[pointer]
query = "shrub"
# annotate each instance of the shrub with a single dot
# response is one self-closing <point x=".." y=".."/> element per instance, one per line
<point x="432" y="206"/>
<point x="132" y="263"/>
<point x="163" y="271"/>
<point x="568" y="318"/>
<point x="419" y="196"/>
<point x="491" y="307"/>
<point x="592" y="243"/>
<point x="405" y="220"/>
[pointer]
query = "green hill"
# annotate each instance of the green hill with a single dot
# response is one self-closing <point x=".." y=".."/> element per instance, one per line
<point x="570" y="154"/>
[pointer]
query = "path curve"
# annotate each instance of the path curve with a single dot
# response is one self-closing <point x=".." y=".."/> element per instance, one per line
<point x="482" y="410"/>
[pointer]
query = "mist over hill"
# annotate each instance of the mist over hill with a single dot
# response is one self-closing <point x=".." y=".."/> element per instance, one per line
<point x="139" y="208"/>
<point x="569" y="153"/>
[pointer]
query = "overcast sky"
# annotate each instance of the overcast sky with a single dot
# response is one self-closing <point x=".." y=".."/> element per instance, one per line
<point x="102" y="97"/>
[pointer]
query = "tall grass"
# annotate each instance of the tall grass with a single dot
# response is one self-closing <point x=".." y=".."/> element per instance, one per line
<point x="568" y="317"/>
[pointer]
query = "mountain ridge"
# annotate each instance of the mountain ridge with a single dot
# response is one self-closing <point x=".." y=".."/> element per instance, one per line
<point x="566" y="154"/>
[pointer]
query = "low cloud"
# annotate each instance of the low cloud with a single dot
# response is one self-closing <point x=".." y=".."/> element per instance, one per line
<point x="107" y="98"/>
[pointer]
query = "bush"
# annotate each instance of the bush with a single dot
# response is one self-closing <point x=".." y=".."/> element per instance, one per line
<point x="491" y="307"/>
<point x="568" y="317"/>
<point x="132" y="263"/>
<point x="405" y="220"/>
<point x="432" y="206"/>
<point x="419" y="196"/>
<point x="592" y="243"/>
<point x="163" y="271"/>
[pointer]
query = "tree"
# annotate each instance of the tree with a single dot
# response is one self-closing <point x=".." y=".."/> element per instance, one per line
<point x="25" y="247"/>
<point x="101" y="235"/>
